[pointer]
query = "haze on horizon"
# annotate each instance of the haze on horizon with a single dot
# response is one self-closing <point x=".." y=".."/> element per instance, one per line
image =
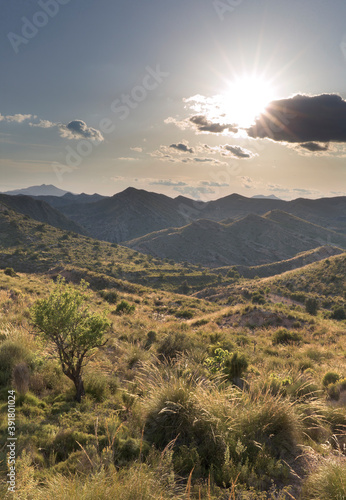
<point x="202" y="99"/>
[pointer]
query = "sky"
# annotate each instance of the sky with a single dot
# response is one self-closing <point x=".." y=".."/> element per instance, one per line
<point x="202" y="98"/>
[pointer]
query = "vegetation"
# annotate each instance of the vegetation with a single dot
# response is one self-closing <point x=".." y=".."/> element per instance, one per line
<point x="229" y="391"/>
<point x="64" y="320"/>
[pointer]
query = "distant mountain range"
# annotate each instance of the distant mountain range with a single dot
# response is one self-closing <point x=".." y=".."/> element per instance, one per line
<point x="233" y="230"/>
<point x="43" y="190"/>
<point x="134" y="213"/>
<point x="269" y="197"/>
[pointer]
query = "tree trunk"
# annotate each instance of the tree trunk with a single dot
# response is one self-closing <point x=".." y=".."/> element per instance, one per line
<point x="80" y="392"/>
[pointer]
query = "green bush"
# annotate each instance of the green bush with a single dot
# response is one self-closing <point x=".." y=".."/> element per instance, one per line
<point x="110" y="296"/>
<point x="124" y="308"/>
<point x="258" y="298"/>
<point x="184" y="314"/>
<point x="173" y="344"/>
<point x="330" y="378"/>
<point x="66" y="442"/>
<point x="284" y="336"/>
<point x="178" y="414"/>
<point x="311" y="306"/>
<point x="96" y="385"/>
<point x="339" y="313"/>
<point x="9" y="271"/>
<point x="129" y="450"/>
<point x="11" y="354"/>
<point x="234" y="365"/>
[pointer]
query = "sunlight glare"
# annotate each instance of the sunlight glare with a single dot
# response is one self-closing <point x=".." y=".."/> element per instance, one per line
<point x="245" y="99"/>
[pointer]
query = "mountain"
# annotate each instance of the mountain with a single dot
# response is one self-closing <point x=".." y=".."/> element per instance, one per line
<point x="39" y="211"/>
<point x="263" y="196"/>
<point x="43" y="190"/>
<point x="127" y="215"/>
<point x="29" y="246"/>
<point x="70" y="199"/>
<point x="134" y="213"/>
<point x="252" y="240"/>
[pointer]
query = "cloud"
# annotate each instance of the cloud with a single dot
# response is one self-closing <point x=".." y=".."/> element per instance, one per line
<point x="182" y="147"/>
<point x="17" y="118"/>
<point x="237" y="152"/>
<point x="44" y="124"/>
<point x="78" y="129"/>
<point x="127" y="158"/>
<point x="303" y="119"/>
<point x="138" y="150"/>
<point x="168" y="182"/>
<point x="314" y="146"/>
<point x="202" y="124"/>
<point x="214" y="184"/>
<point x="193" y="191"/>
<point x="203" y="160"/>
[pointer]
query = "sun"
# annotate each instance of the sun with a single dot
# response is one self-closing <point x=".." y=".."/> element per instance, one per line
<point x="245" y="98"/>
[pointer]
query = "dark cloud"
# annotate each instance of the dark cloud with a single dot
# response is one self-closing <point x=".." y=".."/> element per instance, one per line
<point x="303" y="119"/>
<point x="182" y="147"/>
<point x="314" y="146"/>
<point x="237" y="151"/>
<point x="78" y="129"/>
<point x="204" y="125"/>
<point x="202" y="160"/>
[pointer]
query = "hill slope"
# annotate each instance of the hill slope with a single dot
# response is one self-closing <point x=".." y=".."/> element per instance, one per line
<point x="28" y="246"/>
<point x="250" y="241"/>
<point x="39" y="211"/>
<point x="126" y="215"/>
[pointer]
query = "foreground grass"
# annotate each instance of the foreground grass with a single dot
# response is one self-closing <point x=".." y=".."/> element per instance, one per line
<point x="170" y="411"/>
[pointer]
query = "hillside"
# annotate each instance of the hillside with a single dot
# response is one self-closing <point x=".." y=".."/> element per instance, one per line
<point x="324" y="281"/>
<point x="251" y="241"/>
<point x="29" y="246"/>
<point x="39" y="211"/>
<point x="187" y="399"/>
<point x="126" y="215"/>
<point x="300" y="260"/>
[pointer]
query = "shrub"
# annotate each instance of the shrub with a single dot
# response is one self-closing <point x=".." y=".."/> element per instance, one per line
<point x="9" y="271"/>
<point x="236" y="365"/>
<point x="257" y="298"/>
<point x="11" y="354"/>
<point x="110" y="296"/>
<point x="339" y="313"/>
<point x="65" y="442"/>
<point x="124" y="308"/>
<point x="96" y="385"/>
<point x="311" y="306"/>
<point x="284" y="336"/>
<point x="231" y="364"/>
<point x="21" y="377"/>
<point x="330" y="378"/>
<point x="177" y="413"/>
<point x="173" y="344"/>
<point x="129" y="450"/>
<point x="328" y="481"/>
<point x="184" y="314"/>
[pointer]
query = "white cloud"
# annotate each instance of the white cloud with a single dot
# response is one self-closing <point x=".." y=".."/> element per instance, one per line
<point x="77" y="129"/>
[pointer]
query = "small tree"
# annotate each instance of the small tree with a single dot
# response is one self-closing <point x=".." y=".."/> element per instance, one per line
<point x="66" y="321"/>
<point x="311" y="306"/>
